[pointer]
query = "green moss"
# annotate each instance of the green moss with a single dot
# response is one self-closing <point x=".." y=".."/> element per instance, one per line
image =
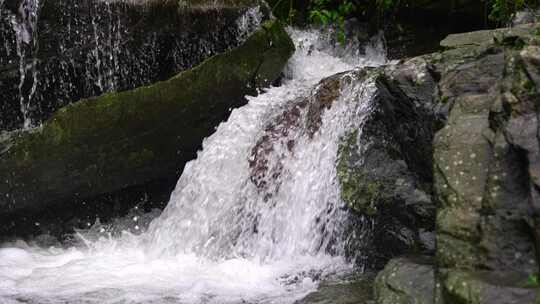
<point x="360" y="192"/>
<point x="121" y="139"/>
<point x="533" y="281"/>
<point x="445" y="99"/>
<point x="460" y="287"/>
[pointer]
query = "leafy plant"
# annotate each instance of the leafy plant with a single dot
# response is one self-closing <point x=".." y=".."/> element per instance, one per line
<point x="533" y="280"/>
<point x="325" y="13"/>
<point x="335" y="12"/>
<point x="384" y="5"/>
<point x="503" y="11"/>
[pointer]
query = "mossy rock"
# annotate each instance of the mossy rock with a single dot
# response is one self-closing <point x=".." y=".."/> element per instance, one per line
<point x="487" y="287"/>
<point x="116" y="140"/>
<point x="362" y="192"/>
<point x="408" y="280"/>
<point x="88" y="48"/>
<point x="383" y="166"/>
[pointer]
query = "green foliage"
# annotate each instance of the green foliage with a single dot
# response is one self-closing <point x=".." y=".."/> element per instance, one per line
<point x="502" y="11"/>
<point x="533" y="280"/>
<point x="385" y="5"/>
<point x="284" y="10"/>
<point x="324" y="12"/>
<point x="335" y="12"/>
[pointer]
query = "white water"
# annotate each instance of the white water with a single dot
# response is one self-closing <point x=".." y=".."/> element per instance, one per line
<point x="220" y="239"/>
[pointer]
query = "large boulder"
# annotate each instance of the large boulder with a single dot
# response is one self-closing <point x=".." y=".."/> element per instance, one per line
<point x="106" y="143"/>
<point x="57" y="52"/>
<point x="385" y="171"/>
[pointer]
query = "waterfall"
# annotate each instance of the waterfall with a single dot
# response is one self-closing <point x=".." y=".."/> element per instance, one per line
<point x="256" y="218"/>
<point x="216" y="209"/>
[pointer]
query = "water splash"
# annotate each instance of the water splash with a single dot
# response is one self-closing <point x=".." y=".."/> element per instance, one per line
<point x="248" y="22"/>
<point x="222" y="238"/>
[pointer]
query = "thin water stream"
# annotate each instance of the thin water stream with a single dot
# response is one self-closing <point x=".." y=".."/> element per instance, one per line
<point x="53" y="53"/>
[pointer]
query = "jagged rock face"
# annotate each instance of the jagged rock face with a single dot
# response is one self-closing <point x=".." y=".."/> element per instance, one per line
<point x="485" y="167"/>
<point x="384" y="168"/>
<point x="107" y="143"/>
<point x="57" y="52"/>
<point x="485" y="161"/>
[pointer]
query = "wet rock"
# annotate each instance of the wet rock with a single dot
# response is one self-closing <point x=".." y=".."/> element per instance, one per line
<point x="406" y="281"/>
<point x="284" y="129"/>
<point x="70" y="50"/>
<point x="108" y="143"/>
<point x="345" y="291"/>
<point x="487" y="288"/>
<point x="381" y="170"/>
<point x="384" y="168"/>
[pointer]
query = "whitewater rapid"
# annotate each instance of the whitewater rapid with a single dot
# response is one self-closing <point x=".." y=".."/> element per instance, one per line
<point x="220" y="239"/>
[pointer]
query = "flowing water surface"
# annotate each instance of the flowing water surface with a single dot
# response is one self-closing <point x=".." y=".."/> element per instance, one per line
<point x="221" y="239"/>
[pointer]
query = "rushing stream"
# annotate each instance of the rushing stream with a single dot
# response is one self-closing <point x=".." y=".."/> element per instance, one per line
<point x="221" y="239"/>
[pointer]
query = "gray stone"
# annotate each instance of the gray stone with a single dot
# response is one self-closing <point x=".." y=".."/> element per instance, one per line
<point x="485" y="37"/>
<point x="483" y="287"/>
<point x="406" y="281"/>
<point x="384" y="171"/>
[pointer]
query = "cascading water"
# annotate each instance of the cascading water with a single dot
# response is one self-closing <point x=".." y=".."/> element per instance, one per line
<point x="230" y="234"/>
